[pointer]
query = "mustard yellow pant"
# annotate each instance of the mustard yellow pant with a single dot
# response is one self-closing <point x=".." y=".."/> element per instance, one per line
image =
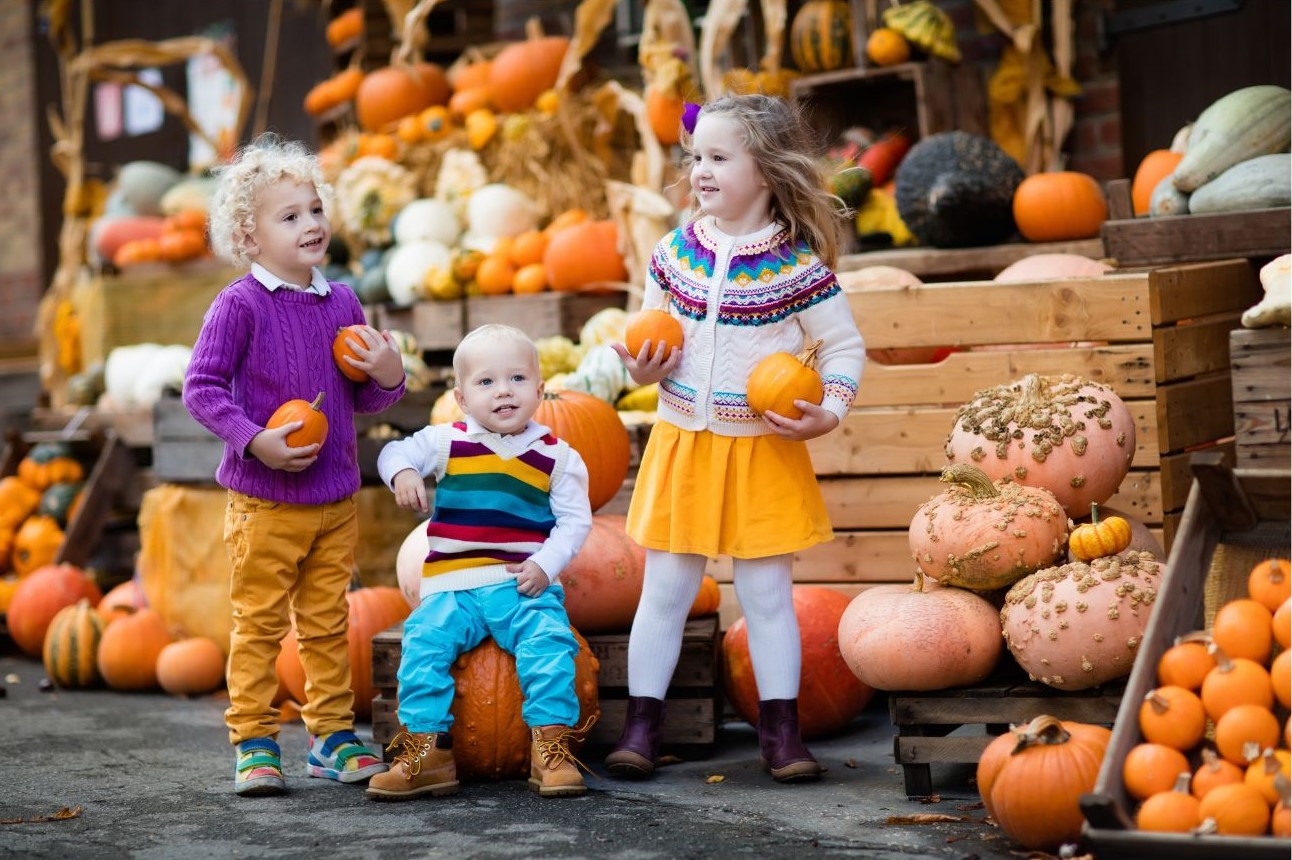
<point x="298" y="558"/>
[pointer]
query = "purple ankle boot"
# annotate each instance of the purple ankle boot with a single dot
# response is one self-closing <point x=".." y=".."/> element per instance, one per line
<point x="635" y="755"/>
<point x="783" y="753"/>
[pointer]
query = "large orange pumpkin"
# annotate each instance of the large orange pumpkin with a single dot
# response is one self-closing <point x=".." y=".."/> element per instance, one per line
<point x="584" y="254"/>
<point x="603" y="583"/>
<point x="520" y="72"/>
<point x="1156" y="166"/>
<point x="129" y="650"/>
<point x="372" y="610"/>
<point x="389" y="94"/>
<point x="830" y="695"/>
<point x="40" y="596"/>
<point x="1055" y="207"/>
<point x="592" y="427"/>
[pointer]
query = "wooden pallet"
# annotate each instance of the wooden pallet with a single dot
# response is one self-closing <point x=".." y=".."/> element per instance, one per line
<point x="1262" y="367"/>
<point x="694" y="698"/>
<point x="925" y="719"/>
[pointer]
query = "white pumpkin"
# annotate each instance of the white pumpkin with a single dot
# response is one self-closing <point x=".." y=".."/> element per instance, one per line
<point x="408" y="563"/>
<point x="427" y="220"/>
<point x="135" y="376"/>
<point x="406" y="271"/>
<point x="142" y="184"/>
<point x="499" y="210"/>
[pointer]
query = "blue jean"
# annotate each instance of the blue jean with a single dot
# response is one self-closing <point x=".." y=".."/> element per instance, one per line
<point x="535" y="630"/>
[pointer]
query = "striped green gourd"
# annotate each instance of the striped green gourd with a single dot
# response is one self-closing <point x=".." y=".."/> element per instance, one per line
<point x="821" y="36"/>
<point x="72" y="646"/>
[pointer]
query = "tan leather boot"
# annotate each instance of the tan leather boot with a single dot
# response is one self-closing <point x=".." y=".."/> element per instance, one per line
<point x="424" y="765"/>
<point x="553" y="769"/>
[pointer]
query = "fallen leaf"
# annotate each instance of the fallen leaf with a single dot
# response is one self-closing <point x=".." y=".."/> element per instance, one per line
<point x="850" y="762"/>
<point x="951" y="839"/>
<point x="969" y="807"/>
<point x="62" y="815"/>
<point x="927" y="818"/>
<point x="715" y="778"/>
<point x="12" y="678"/>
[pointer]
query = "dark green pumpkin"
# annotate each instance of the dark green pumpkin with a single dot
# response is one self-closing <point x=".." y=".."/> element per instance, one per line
<point x="59" y="500"/>
<point x="956" y="190"/>
<point x="821" y="36"/>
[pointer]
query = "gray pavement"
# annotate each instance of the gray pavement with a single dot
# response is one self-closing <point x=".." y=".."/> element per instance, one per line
<point x="152" y="776"/>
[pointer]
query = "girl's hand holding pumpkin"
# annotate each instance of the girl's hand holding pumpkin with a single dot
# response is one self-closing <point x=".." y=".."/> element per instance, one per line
<point x="816" y="421"/>
<point x="270" y="447"/>
<point x="410" y="490"/>
<point x="646" y="367"/>
<point x="378" y="357"/>
<point x="531" y="580"/>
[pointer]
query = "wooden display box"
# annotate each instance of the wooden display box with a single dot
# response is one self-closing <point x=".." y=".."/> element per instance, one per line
<point x="694" y="697"/>
<point x="925" y="719"/>
<point x="541" y="314"/>
<point x="1262" y="368"/>
<point x="1234" y="520"/>
<point x="437" y="326"/>
<point x="1160" y="339"/>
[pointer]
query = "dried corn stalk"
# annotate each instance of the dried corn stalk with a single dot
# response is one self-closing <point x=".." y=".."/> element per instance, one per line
<point x="643" y="217"/>
<point x="590" y="18"/>
<point x="720" y="24"/>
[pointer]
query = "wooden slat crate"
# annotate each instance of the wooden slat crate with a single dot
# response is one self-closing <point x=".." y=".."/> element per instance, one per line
<point x="694" y="697"/>
<point x="437" y="326"/>
<point x="940" y="264"/>
<point x="1262" y="370"/>
<point x="541" y="314"/>
<point x="1234" y="520"/>
<point x="925" y="719"/>
<point x="1159" y="338"/>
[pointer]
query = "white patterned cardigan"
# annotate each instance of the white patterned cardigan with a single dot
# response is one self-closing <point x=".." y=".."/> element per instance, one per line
<point x="740" y="299"/>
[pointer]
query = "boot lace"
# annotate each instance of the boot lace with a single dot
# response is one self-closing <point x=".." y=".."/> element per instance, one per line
<point x="556" y="751"/>
<point x="413" y="750"/>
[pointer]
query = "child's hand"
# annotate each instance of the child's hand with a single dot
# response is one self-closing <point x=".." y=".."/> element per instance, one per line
<point x="646" y="368"/>
<point x="270" y="447"/>
<point x="531" y="580"/>
<point x="815" y="422"/>
<point x="378" y="357"/>
<point x="410" y="490"/>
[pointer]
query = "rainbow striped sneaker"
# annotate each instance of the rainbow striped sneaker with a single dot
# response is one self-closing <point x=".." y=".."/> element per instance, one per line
<point x="259" y="768"/>
<point x="343" y="757"/>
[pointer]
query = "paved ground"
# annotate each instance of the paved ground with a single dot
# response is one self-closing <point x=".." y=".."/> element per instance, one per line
<point x="151" y="775"/>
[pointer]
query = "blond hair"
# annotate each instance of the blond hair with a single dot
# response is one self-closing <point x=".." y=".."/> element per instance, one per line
<point x="266" y="160"/>
<point x="489" y="335"/>
<point x="781" y="144"/>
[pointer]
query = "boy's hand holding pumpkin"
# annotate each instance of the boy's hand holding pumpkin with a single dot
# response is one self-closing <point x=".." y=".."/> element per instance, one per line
<point x="377" y="355"/>
<point x="270" y="447"/>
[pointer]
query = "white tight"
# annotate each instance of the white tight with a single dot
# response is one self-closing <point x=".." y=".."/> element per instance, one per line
<point x="671" y="584"/>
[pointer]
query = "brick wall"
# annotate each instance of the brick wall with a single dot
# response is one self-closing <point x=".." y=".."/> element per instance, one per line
<point x="20" y="239"/>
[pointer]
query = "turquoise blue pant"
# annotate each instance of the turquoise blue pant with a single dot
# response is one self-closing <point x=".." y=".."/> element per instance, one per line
<point x="535" y="630"/>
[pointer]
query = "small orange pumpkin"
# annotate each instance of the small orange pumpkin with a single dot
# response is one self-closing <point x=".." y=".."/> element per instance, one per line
<point x="1281" y="625"/>
<point x="664" y="112"/>
<point x="1235" y="810"/>
<point x="49" y="463"/>
<point x="36" y="544"/>
<point x="780" y="379"/>
<point x="1156" y="166"/>
<point x="1244" y="731"/>
<point x="1174" y="810"/>
<point x="1262" y="773"/>
<point x="345" y="27"/>
<point x="1099" y="538"/>
<point x="1152" y="768"/>
<point x="530" y="279"/>
<point x="520" y="72"/>
<point x="18" y="500"/>
<point x="313" y="429"/>
<point x="1244" y="628"/>
<point x="1185" y="664"/>
<point x="657" y="326"/>
<point x="341" y="349"/>
<point x="1172" y="716"/>
<point x="1235" y="682"/>
<point x="1213" y="773"/>
<point x="1059" y="206"/>
<point x="708" y="599"/>
<point x="1270" y="584"/>
<point x="887" y="47"/>
<point x="190" y="667"/>
<point x="129" y="650"/>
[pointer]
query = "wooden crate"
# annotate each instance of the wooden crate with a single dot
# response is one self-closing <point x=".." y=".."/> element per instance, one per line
<point x="694" y="697"/>
<point x="437" y="326"/>
<point x="1234" y="520"/>
<point x="1261" y="360"/>
<point x="960" y="264"/>
<point x="541" y="314"/>
<point x="1159" y="338"/>
<point x="925" y="719"/>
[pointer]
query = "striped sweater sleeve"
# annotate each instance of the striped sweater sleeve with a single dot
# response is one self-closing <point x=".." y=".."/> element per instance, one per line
<point x="843" y="352"/>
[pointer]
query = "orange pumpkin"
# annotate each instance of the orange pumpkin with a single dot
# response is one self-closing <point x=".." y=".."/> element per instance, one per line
<point x="389" y="94"/>
<point x="604" y="581"/>
<point x="528" y="248"/>
<point x="1236" y="810"/>
<point x="1281" y="624"/>
<point x="1262" y="773"/>
<point x="522" y="71"/>
<point x="36" y="544"/>
<point x="434" y="123"/>
<point x="463" y="75"/>
<point x="341" y="349"/>
<point x="1244" y="628"/>
<point x="582" y="254"/>
<point x="179" y="245"/>
<point x="1234" y="682"/>
<point x="1185" y="664"/>
<point x="886" y="47"/>
<point x="708" y="599"/>
<point x="564" y="220"/>
<point x="334" y="92"/>
<point x="529" y="280"/>
<point x="345" y="27"/>
<point x="372" y="610"/>
<point x="495" y="275"/>
<point x="72" y="645"/>
<point x="121" y="601"/>
<point x="1064" y="757"/>
<point x="18" y="500"/>
<point x="656" y="326"/>
<point x="1099" y="538"/>
<point x="1270" y="583"/>
<point x="1156" y="166"/>
<point x="190" y="667"/>
<point x="1174" y="810"/>
<point x="664" y="113"/>
<point x="465" y="102"/>
<point x="313" y="428"/>
<point x="592" y="427"/>
<point x="780" y="379"/>
<point x="1213" y="773"/>
<point x="1055" y="207"/>
<point x="1281" y="678"/>
<point x="129" y="650"/>
<point x="1152" y="768"/>
<point x="1172" y="716"/>
<point x="830" y="695"/>
<point x="1243" y="731"/>
<point x="39" y="597"/>
<point x="49" y="463"/>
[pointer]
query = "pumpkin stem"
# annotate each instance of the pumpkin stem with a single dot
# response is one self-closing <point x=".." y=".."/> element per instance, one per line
<point x="808" y="356"/>
<point x="1276" y="572"/>
<point x="1160" y="703"/>
<point x="318" y="401"/>
<point x="919" y="580"/>
<point x="1195" y="636"/>
<point x="1044" y="730"/>
<point x="1223" y="663"/>
<point x="1251" y="751"/>
<point x="1094" y="513"/>
<point x="1283" y="786"/>
<point x="1183" y="782"/>
<point x="973" y="479"/>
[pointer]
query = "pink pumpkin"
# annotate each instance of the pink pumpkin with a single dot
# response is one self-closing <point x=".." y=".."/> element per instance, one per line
<point x="1048" y="267"/>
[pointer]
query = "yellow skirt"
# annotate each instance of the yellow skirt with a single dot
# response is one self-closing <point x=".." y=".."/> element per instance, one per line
<point x="743" y="496"/>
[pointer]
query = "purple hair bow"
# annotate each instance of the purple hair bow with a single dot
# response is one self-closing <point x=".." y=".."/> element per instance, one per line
<point x="690" y="114"/>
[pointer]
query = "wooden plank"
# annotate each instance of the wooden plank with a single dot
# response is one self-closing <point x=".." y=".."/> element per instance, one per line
<point x="687" y="722"/>
<point x="1181" y="351"/>
<point x="944" y="262"/>
<point x="435" y="325"/>
<point x="1107" y="308"/>
<point x="697" y="665"/>
<point x="1202" y="289"/>
<point x="1261" y="431"/>
<point x="542" y="314"/>
<point x="913" y="440"/>
<point x="1176" y="476"/>
<point x="1169" y="240"/>
<point x="1126" y="368"/>
<point x="1120" y="206"/>
<point x="908" y="708"/>
<point x="1194" y="412"/>
<point x="113" y="469"/>
<point x="959" y="749"/>
<point x="1261" y="360"/>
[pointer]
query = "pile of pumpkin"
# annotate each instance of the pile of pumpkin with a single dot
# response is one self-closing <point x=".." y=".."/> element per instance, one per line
<point x="821" y="35"/>
<point x="153" y="214"/>
<point x="1214" y="757"/>
<point x="36" y="505"/>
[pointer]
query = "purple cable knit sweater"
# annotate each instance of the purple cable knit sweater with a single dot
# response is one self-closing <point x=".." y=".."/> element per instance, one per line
<point x="256" y="351"/>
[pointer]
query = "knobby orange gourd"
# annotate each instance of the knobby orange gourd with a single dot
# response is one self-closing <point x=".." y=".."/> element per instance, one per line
<point x="313" y="428"/>
<point x="341" y="348"/>
<point x="780" y="379"/>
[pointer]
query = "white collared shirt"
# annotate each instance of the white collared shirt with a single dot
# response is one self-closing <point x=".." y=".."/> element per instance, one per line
<point x="317" y="285"/>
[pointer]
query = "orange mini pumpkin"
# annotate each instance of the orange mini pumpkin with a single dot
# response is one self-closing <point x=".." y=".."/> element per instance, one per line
<point x="341" y="349"/>
<point x="313" y="430"/>
<point x="1099" y="538"/>
<point x="1244" y="628"/>
<point x="780" y="379"/>
<point x="1270" y="584"/>
<point x="1172" y="716"/>
<point x="1152" y="768"/>
<point x="657" y="326"/>
<point x="36" y="544"/>
<point x="1213" y="773"/>
<point x="49" y="463"/>
<point x="1185" y="664"/>
<point x="129" y="650"/>
<point x="1055" y="207"/>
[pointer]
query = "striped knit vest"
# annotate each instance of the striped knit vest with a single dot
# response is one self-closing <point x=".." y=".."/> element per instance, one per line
<point x="490" y="510"/>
